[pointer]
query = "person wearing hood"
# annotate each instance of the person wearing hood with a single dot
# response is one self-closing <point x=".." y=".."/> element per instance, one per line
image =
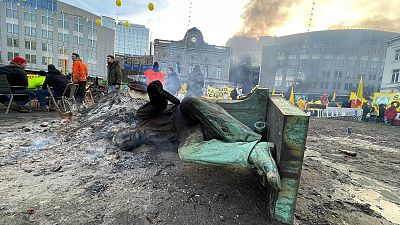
<point x="155" y="74"/>
<point x="173" y="84"/>
<point x="16" y="76"/>
<point x="56" y="81"/>
<point x="79" y="76"/>
<point x="114" y="74"/>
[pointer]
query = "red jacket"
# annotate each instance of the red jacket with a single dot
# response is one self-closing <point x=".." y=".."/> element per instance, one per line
<point x="391" y="113"/>
<point x="152" y="76"/>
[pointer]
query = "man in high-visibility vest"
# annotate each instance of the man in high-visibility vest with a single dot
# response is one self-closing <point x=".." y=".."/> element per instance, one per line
<point x="79" y="76"/>
<point x="154" y="74"/>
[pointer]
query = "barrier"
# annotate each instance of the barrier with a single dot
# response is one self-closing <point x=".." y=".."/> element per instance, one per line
<point x="339" y="113"/>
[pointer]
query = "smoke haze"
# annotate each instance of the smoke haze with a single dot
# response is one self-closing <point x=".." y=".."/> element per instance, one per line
<point x="282" y="17"/>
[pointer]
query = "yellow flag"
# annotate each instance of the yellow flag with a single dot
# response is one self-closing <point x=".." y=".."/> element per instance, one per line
<point x="291" y="99"/>
<point x="353" y="96"/>
<point x="360" y="89"/>
<point x="334" y="96"/>
<point x="273" y="92"/>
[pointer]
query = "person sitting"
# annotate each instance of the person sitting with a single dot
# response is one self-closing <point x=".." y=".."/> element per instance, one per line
<point x="17" y="77"/>
<point x="390" y="114"/>
<point x="35" y="84"/>
<point x="55" y="80"/>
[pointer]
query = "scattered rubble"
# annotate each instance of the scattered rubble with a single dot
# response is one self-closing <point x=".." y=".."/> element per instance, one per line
<point x="72" y="174"/>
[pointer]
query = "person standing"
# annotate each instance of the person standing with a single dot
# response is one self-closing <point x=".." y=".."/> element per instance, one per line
<point x="155" y="74"/>
<point x="79" y="76"/>
<point x="173" y="84"/>
<point x="114" y="74"/>
<point x="234" y="94"/>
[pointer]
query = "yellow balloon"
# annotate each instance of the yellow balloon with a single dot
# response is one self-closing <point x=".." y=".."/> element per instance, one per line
<point x="150" y="6"/>
<point x="118" y="2"/>
<point x="98" y="22"/>
<point x="126" y="24"/>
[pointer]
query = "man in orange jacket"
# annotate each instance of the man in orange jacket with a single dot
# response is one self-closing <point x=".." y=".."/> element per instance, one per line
<point x="79" y="76"/>
<point x="154" y="74"/>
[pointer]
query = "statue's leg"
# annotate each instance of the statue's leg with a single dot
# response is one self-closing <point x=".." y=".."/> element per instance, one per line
<point x="252" y="154"/>
<point x="215" y="122"/>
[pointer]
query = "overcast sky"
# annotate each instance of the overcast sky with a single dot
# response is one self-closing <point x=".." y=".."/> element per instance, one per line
<point x="218" y="20"/>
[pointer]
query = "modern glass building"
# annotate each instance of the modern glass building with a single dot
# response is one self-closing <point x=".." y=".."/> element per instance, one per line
<point x="325" y="61"/>
<point x="132" y="40"/>
<point x="48" y="31"/>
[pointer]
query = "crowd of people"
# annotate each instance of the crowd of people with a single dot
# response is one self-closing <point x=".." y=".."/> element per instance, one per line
<point x="37" y="88"/>
<point x="381" y="113"/>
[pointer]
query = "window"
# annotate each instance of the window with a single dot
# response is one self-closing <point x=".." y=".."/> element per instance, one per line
<point x="92" y="55"/>
<point x="336" y="85"/>
<point x="30" y="17"/>
<point x="30" y="31"/>
<point x="348" y="86"/>
<point x="397" y="55"/>
<point x="11" y="55"/>
<point x="47" y="60"/>
<point x="324" y="85"/>
<point x="30" y="58"/>
<point x="47" y="34"/>
<point x="12" y="28"/>
<point x="60" y="63"/>
<point x="12" y="13"/>
<point x="219" y="73"/>
<point x="92" y="43"/>
<point x="46" y="20"/>
<point x="44" y="33"/>
<point x="30" y="45"/>
<point x="395" y="76"/>
<point x="47" y="47"/>
<point x="13" y="42"/>
<point x="63" y="50"/>
<point x="78" y="40"/>
<point x="78" y="24"/>
<point x="92" y="28"/>
<point x="63" y="21"/>
<point x="63" y="37"/>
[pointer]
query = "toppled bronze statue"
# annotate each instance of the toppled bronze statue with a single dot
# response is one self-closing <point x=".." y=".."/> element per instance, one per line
<point x="202" y="131"/>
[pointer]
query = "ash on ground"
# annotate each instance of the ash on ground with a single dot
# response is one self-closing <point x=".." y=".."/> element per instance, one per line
<point x="69" y="172"/>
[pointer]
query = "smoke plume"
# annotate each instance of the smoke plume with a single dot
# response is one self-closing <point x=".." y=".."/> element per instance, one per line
<point x="260" y="16"/>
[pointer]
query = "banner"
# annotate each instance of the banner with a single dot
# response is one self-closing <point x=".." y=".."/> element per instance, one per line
<point x="31" y="75"/>
<point x="386" y="98"/>
<point x="219" y="93"/>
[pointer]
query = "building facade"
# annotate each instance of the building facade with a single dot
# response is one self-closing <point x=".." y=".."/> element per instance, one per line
<point x="48" y="31"/>
<point x="131" y="40"/>
<point x="325" y="61"/>
<point x="391" y="73"/>
<point x="192" y="50"/>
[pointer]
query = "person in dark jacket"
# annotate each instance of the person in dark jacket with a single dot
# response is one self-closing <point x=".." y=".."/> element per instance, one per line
<point x="195" y="82"/>
<point x="114" y="74"/>
<point x="234" y="94"/>
<point x="381" y="114"/>
<point x="56" y="80"/>
<point x="173" y="84"/>
<point x="16" y="76"/>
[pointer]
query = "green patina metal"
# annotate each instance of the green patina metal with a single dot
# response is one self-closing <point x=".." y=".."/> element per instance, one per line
<point x="249" y="110"/>
<point x="287" y="130"/>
